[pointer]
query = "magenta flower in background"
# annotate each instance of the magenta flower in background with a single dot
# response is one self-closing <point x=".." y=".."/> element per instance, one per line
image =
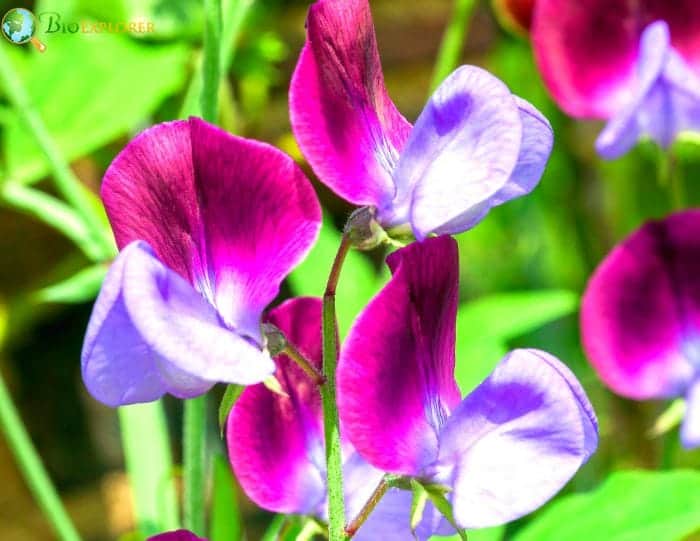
<point x="634" y="64"/>
<point x="506" y="448"/>
<point x="276" y="443"/>
<point x="178" y="535"/>
<point x="474" y="146"/>
<point x="640" y="317"/>
<point x="209" y="225"/>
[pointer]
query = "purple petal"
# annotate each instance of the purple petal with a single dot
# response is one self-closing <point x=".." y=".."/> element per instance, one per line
<point x="690" y="429"/>
<point x="666" y="101"/>
<point x="151" y="333"/>
<point x="177" y="535"/>
<point x="275" y="443"/>
<point x="587" y="49"/>
<point x="231" y="215"/>
<point x="640" y="317"/>
<point x="344" y="121"/>
<point x="461" y="153"/>
<point x="516" y="440"/>
<point x="396" y="372"/>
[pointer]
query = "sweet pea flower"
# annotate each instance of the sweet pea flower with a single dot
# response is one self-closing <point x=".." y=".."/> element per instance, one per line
<point x="503" y="450"/>
<point x="634" y="64"/>
<point x="474" y="146"/>
<point x="209" y="225"/>
<point x="276" y="442"/>
<point x="640" y="316"/>
<point x="177" y="535"/>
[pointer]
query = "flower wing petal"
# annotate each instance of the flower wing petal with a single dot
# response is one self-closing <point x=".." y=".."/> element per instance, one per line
<point x="151" y="333"/>
<point x="516" y="440"/>
<point x="396" y="371"/>
<point x="346" y="125"/>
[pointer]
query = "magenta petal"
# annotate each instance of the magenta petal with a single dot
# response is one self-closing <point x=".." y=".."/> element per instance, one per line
<point x="177" y="535"/>
<point x="151" y="333"/>
<point x="395" y="377"/>
<point x="587" y="49"/>
<point x="516" y="440"/>
<point x="640" y="317"/>
<point x="275" y="443"/>
<point x="461" y="153"/>
<point x="232" y="215"/>
<point x="344" y="121"/>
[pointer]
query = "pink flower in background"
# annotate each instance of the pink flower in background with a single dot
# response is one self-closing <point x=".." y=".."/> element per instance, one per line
<point x="474" y="146"/>
<point x="276" y="443"/>
<point x="178" y="535"/>
<point x="640" y="317"/>
<point x="504" y="449"/>
<point x="634" y="64"/>
<point x="209" y="225"/>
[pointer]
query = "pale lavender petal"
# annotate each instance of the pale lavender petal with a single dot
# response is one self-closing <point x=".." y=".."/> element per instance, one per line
<point x="690" y="428"/>
<point x="396" y="373"/>
<point x="151" y="333"/>
<point x="231" y="215"/>
<point x="177" y="535"/>
<point x="275" y="443"/>
<point x="666" y="101"/>
<point x="344" y="121"/>
<point x="640" y="316"/>
<point x="461" y="153"/>
<point x="516" y="440"/>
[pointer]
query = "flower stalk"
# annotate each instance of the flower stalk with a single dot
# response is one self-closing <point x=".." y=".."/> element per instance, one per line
<point x="367" y="509"/>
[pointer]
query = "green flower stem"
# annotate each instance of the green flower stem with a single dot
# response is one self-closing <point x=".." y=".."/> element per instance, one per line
<point x="367" y="509"/>
<point x="66" y="182"/>
<point x="334" y="465"/>
<point x="452" y="41"/>
<point x="146" y="445"/>
<point x="211" y="65"/>
<point x="33" y="470"/>
<point x="293" y="353"/>
<point x="194" y="464"/>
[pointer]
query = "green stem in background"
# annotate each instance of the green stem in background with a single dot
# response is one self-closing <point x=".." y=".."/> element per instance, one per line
<point x="367" y="509"/>
<point x="334" y="463"/>
<point x="194" y="463"/>
<point x="452" y="41"/>
<point x="671" y="179"/>
<point x="33" y="470"/>
<point x="149" y="464"/>
<point x="211" y="64"/>
<point x="66" y="182"/>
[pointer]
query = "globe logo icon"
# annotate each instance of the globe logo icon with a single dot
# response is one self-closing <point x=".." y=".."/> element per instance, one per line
<point x="18" y="26"/>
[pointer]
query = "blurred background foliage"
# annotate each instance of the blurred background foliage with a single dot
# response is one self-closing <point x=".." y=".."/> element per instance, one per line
<point x="522" y="269"/>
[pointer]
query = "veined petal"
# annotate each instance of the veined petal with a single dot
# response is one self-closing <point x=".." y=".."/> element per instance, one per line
<point x="516" y="440"/>
<point x="177" y="535"/>
<point x="587" y="50"/>
<point x="231" y="215"/>
<point x="461" y="153"/>
<point x="667" y="99"/>
<point x="151" y="333"/>
<point x="344" y="121"/>
<point x="396" y="373"/>
<point x="640" y="316"/>
<point x="275" y="442"/>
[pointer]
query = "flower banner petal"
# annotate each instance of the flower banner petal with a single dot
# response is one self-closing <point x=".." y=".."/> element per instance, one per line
<point x="462" y="151"/>
<point x="151" y="333"/>
<point x="396" y="373"/>
<point x="516" y="440"/>
<point x="640" y="316"/>
<point x="275" y="442"/>
<point x="344" y="121"/>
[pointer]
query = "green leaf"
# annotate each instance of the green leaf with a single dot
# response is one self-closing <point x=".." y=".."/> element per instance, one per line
<point x="231" y="394"/>
<point x="81" y="287"/>
<point x="225" y="515"/>
<point x="628" y="506"/>
<point x="358" y="280"/>
<point x="90" y="89"/>
<point x="149" y="464"/>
